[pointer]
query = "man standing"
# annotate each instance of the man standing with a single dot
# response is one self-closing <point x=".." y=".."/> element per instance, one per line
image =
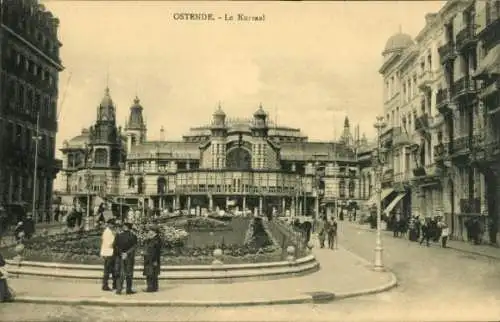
<point x="445" y="232"/>
<point x="108" y="253"/>
<point x="152" y="259"/>
<point x="125" y="244"/>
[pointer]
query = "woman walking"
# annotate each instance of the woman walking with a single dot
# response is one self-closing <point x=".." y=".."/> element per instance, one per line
<point x="332" y="233"/>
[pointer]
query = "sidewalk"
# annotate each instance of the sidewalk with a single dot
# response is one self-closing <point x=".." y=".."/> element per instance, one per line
<point x="462" y="246"/>
<point x="342" y="275"/>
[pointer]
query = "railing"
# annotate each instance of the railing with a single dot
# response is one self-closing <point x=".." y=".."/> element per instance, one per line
<point x="442" y="97"/>
<point x="402" y="176"/>
<point x="388" y="175"/>
<point x="286" y="236"/>
<point x="446" y="52"/>
<point x="465" y="37"/>
<point x="463" y="86"/>
<point x="422" y="122"/>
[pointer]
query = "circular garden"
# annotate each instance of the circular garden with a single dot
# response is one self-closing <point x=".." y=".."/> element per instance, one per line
<point x="186" y="241"/>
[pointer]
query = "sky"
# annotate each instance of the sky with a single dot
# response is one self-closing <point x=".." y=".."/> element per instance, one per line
<point x="309" y="63"/>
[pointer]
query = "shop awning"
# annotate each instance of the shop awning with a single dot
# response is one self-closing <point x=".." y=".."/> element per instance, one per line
<point x="373" y="198"/>
<point x="490" y="65"/>
<point x="393" y="204"/>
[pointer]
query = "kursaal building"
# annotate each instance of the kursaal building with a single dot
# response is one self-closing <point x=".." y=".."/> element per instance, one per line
<point x="250" y="164"/>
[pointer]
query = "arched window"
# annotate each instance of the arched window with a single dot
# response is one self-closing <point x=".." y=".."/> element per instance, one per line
<point x="140" y="185"/>
<point x="131" y="182"/>
<point x="161" y="185"/>
<point x="239" y="158"/>
<point x="101" y="157"/>
<point x="342" y="188"/>
<point x="352" y="189"/>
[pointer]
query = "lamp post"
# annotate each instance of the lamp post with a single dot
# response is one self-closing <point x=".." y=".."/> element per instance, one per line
<point x="143" y="194"/>
<point x="378" y="263"/>
<point x="88" y="177"/>
<point x="37" y="139"/>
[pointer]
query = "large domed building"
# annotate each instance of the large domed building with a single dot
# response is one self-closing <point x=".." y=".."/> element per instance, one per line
<point x="244" y="163"/>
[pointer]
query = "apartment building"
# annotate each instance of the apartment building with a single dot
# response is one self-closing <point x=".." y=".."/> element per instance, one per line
<point x="413" y="73"/>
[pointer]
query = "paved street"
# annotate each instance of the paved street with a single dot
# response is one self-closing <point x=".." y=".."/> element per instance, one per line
<point x="435" y="284"/>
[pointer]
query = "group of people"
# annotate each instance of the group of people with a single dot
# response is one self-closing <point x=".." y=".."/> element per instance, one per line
<point x="118" y="249"/>
<point x="327" y="228"/>
<point x="422" y="229"/>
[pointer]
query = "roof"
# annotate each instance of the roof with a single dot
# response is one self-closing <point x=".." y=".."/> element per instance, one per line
<point x="78" y="141"/>
<point x="166" y="149"/>
<point x="397" y="42"/>
<point x="309" y="151"/>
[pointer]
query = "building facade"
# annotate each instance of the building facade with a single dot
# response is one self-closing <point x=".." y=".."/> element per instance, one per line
<point x="440" y="94"/>
<point x="30" y="64"/>
<point x="242" y="164"/>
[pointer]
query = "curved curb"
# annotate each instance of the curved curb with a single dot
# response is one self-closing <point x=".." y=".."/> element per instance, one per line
<point x="312" y="298"/>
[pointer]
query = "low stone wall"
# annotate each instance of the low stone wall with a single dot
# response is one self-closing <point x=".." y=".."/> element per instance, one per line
<point x="216" y="273"/>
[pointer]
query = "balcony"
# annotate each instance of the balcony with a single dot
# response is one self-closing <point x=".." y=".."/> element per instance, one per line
<point x="440" y="152"/>
<point x="443" y="101"/>
<point x="464" y="89"/>
<point x="400" y="137"/>
<point x="489" y="34"/>
<point x="422" y="123"/>
<point x="486" y="152"/>
<point x="388" y="176"/>
<point x="425" y="80"/>
<point x="463" y="145"/>
<point x="401" y="177"/>
<point x="489" y="89"/>
<point x="447" y="53"/>
<point x="466" y="39"/>
<point x="427" y="175"/>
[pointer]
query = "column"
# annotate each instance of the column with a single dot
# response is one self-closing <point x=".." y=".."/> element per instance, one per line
<point x="151" y="203"/>
<point x="188" y="203"/>
<point x="300" y="210"/>
<point x="174" y="205"/>
<point x="178" y="201"/>
<point x="244" y="204"/>
<point x="283" y="206"/>
<point x="292" y="207"/>
<point x="210" y="203"/>
<point x="227" y="202"/>
<point x="260" y="205"/>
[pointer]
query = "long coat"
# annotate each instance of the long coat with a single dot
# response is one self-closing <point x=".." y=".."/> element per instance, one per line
<point x="152" y="256"/>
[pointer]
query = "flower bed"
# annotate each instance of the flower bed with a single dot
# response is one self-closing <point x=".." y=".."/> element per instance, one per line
<point x="202" y="224"/>
<point x="84" y="247"/>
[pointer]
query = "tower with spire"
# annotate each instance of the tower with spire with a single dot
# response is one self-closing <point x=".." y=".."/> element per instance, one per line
<point x="260" y="131"/>
<point x="218" y="132"/>
<point x="135" y="127"/>
<point x="104" y="135"/>
<point x="347" y="137"/>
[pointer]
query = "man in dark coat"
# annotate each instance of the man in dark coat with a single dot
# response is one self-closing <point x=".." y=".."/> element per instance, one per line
<point x="125" y="245"/>
<point x="152" y="258"/>
<point x="29" y="226"/>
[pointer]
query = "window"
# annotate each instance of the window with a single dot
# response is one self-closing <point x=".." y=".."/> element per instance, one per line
<point x="342" y="188"/>
<point x="101" y="157"/>
<point x="352" y="189"/>
<point x="131" y="182"/>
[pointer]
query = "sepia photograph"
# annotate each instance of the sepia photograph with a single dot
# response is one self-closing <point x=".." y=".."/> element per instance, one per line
<point x="249" y="160"/>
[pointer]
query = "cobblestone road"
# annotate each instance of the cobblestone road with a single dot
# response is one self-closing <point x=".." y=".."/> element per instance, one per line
<point x="435" y="284"/>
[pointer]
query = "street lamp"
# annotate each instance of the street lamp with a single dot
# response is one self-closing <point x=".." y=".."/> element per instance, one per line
<point x="88" y="177"/>
<point x="37" y="139"/>
<point x="378" y="264"/>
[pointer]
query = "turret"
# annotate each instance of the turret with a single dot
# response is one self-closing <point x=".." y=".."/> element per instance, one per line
<point x="135" y="128"/>
<point x="218" y="132"/>
<point x="260" y="127"/>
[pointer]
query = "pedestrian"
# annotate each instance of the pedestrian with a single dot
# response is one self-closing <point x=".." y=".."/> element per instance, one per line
<point x="109" y="255"/>
<point x="307" y="227"/>
<point x="6" y="294"/>
<point x="445" y="231"/>
<point x="332" y="233"/>
<point x="29" y="226"/>
<point x="126" y="244"/>
<point x="19" y="231"/>
<point x="426" y="232"/>
<point x="152" y="258"/>
<point x="320" y="229"/>
<point x="100" y="214"/>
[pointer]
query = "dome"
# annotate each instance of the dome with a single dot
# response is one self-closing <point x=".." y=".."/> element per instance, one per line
<point x="135" y="120"/>
<point x="397" y="42"/>
<point x="260" y="112"/>
<point x="219" y="112"/>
